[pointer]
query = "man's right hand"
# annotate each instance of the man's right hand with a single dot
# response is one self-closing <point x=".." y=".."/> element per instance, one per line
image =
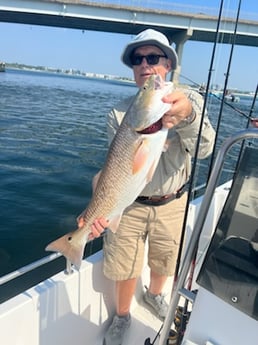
<point x="97" y="227"/>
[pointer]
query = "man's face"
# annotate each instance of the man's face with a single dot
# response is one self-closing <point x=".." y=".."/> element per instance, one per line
<point x="144" y="70"/>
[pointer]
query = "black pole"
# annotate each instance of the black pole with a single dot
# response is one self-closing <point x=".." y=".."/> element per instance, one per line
<point x="191" y="181"/>
<point x="226" y="81"/>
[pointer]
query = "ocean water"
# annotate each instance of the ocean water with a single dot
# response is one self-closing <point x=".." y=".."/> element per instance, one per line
<point x="52" y="142"/>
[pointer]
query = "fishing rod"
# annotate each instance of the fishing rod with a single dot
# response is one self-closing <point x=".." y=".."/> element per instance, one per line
<point x="183" y="319"/>
<point x="194" y="166"/>
<point x="225" y="83"/>
<point x="164" y="330"/>
<point x="184" y="314"/>
<point x="167" y="323"/>
<point x="148" y="340"/>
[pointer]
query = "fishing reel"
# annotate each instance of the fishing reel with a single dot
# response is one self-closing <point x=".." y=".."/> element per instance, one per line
<point x="181" y="317"/>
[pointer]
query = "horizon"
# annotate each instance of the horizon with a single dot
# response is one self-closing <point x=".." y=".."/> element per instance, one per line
<point x="86" y="74"/>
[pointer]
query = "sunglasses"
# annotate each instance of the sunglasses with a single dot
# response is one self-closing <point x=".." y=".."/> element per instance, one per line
<point x="152" y="59"/>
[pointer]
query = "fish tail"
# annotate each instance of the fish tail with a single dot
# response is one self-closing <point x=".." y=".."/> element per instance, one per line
<point x="70" y="247"/>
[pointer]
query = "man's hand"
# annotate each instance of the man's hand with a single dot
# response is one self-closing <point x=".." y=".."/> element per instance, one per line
<point x="97" y="227"/>
<point x="180" y="109"/>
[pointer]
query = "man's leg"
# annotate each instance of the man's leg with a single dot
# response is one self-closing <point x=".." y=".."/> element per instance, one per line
<point x="157" y="283"/>
<point x="122" y="320"/>
<point x="154" y="297"/>
<point x="164" y="237"/>
<point x="124" y="294"/>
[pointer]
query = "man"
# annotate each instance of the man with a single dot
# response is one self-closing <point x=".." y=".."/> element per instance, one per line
<point x="158" y="213"/>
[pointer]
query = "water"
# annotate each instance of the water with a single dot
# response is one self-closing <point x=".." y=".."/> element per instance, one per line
<point x="53" y="141"/>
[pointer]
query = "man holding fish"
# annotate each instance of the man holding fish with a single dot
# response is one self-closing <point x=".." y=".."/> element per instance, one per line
<point x="157" y="214"/>
<point x="139" y="193"/>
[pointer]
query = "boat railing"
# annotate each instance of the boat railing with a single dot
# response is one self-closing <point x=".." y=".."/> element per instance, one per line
<point x="32" y="266"/>
<point x="179" y="289"/>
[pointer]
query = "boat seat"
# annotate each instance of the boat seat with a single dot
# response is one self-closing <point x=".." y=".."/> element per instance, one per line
<point x="240" y="255"/>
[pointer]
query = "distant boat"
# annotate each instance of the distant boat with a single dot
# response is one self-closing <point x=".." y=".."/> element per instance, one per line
<point x="229" y="97"/>
<point x="2" y="66"/>
<point x="232" y="98"/>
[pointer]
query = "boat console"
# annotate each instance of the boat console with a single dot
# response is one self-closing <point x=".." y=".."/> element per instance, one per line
<point x="226" y="307"/>
<point x="230" y="269"/>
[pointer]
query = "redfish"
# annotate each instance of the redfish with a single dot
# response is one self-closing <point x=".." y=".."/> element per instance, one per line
<point x="130" y="164"/>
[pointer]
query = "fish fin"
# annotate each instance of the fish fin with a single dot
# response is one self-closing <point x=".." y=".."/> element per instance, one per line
<point x="114" y="223"/>
<point x="141" y="156"/>
<point x="71" y="246"/>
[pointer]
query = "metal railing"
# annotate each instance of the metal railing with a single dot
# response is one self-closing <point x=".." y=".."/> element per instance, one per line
<point x="30" y="267"/>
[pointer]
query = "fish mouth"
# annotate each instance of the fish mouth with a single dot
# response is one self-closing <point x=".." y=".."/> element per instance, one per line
<point x="155" y="127"/>
<point x="147" y="74"/>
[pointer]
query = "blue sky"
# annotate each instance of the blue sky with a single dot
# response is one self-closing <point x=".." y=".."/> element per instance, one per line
<point x="99" y="52"/>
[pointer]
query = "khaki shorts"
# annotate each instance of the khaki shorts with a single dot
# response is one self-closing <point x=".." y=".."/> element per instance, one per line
<point x="160" y="225"/>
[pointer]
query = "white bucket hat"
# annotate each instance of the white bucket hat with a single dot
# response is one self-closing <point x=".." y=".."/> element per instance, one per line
<point x="149" y="37"/>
